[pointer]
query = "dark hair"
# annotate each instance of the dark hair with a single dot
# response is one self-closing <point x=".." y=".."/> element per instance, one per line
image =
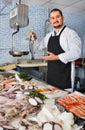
<point x="53" y="10"/>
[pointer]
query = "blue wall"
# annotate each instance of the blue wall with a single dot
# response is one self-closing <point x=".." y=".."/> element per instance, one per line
<point x="37" y="18"/>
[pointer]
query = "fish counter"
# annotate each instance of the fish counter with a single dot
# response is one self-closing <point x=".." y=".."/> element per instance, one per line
<point x="27" y="103"/>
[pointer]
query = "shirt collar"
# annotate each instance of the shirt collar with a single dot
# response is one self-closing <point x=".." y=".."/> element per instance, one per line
<point x="56" y="33"/>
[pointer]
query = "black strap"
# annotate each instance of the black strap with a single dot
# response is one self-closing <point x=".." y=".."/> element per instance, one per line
<point x="62" y="30"/>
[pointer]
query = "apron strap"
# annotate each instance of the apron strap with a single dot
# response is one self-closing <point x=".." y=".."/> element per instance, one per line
<point x="62" y="30"/>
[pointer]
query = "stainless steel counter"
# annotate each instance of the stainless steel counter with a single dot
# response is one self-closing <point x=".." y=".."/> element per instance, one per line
<point x="31" y="63"/>
<point x="35" y="64"/>
<point x="36" y="68"/>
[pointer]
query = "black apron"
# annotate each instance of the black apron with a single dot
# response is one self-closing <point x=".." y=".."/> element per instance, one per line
<point x="58" y="73"/>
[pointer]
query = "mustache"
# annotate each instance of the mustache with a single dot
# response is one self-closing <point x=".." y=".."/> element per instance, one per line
<point x="55" y="22"/>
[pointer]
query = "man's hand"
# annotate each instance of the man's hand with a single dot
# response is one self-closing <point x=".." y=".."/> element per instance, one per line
<point x="51" y="56"/>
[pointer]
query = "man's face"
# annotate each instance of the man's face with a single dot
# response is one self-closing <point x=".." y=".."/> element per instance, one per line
<point x="56" y="19"/>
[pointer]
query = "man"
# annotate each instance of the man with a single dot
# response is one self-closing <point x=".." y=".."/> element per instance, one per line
<point x="64" y="47"/>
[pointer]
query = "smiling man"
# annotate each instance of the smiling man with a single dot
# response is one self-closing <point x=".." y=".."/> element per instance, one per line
<point x="64" y="47"/>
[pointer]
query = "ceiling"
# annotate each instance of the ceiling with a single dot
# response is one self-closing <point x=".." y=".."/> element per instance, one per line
<point x="67" y="6"/>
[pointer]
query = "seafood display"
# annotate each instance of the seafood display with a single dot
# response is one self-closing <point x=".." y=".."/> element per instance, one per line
<point x="25" y="104"/>
<point x="74" y="103"/>
<point x="14" y="104"/>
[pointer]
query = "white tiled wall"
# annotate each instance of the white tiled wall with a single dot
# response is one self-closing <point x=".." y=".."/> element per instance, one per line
<point x="37" y="18"/>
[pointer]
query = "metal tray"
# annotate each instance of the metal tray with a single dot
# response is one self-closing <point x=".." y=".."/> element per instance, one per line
<point x="18" y="53"/>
